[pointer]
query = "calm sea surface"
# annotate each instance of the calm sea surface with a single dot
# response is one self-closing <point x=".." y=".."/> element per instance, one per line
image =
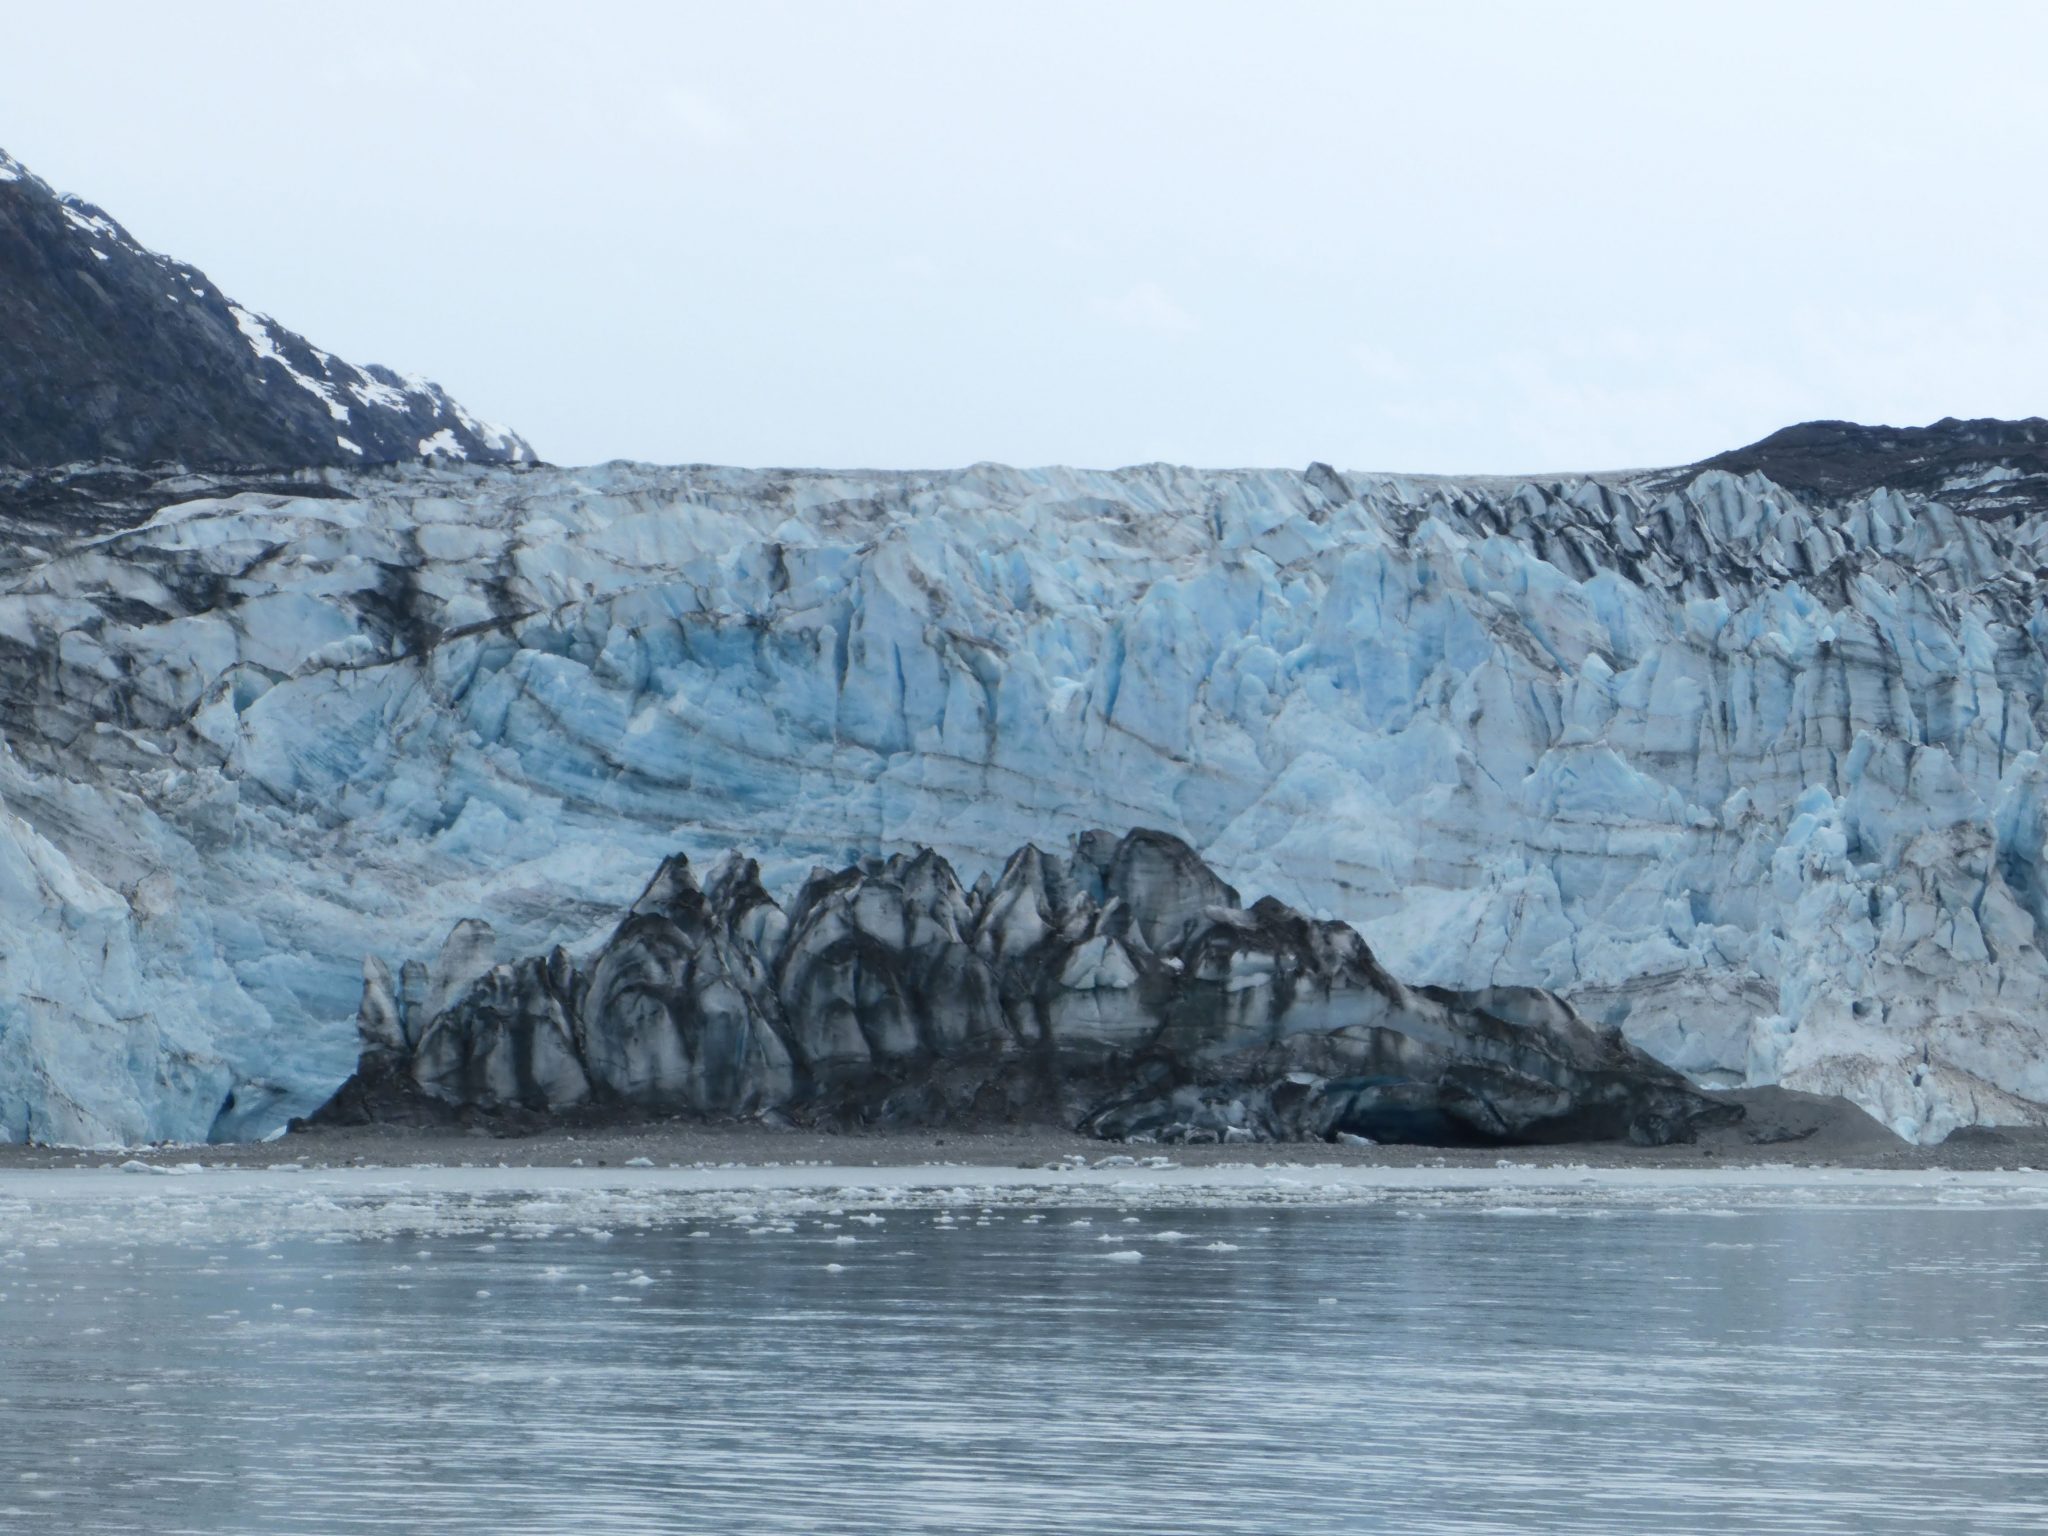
<point x="1254" y="1370"/>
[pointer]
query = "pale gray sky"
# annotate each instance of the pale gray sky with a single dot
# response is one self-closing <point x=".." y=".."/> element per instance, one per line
<point x="1480" y="237"/>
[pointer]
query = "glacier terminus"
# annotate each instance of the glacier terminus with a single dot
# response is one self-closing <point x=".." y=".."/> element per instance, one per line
<point x="1749" y="767"/>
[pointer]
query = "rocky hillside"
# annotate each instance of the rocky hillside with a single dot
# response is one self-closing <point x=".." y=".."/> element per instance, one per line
<point x="1984" y="468"/>
<point x="109" y="351"/>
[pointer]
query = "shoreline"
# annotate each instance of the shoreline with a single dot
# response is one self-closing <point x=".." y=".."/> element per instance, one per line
<point x="1782" y="1130"/>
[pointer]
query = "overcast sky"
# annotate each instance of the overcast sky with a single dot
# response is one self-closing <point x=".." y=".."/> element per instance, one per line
<point x="1435" y="237"/>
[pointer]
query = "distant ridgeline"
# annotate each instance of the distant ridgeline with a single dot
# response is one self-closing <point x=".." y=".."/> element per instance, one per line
<point x="1986" y="468"/>
<point x="110" y="352"/>
<point x="1125" y="991"/>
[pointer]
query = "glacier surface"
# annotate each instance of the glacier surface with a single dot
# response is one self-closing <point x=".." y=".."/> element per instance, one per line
<point x="1758" y="779"/>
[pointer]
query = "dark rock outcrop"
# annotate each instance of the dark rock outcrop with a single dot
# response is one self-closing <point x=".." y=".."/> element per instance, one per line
<point x="1987" y="467"/>
<point x="1124" y="990"/>
<point x="111" y="352"/>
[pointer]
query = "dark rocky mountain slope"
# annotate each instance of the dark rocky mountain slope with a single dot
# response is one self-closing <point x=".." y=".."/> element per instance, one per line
<point x="109" y="351"/>
<point x="1986" y="468"/>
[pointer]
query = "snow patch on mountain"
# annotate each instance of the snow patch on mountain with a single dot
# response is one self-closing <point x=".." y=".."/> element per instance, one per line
<point x="257" y="329"/>
<point x="442" y="442"/>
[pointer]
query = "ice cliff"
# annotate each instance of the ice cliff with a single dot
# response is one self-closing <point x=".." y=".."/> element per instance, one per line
<point x="1753" y="774"/>
<point x="1125" y="991"/>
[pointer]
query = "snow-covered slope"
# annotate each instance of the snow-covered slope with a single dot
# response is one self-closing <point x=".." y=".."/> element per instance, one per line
<point x="1758" y="778"/>
<point x="109" y="351"/>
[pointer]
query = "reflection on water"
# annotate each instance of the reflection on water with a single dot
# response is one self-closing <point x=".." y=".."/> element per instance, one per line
<point x="1257" y="1371"/>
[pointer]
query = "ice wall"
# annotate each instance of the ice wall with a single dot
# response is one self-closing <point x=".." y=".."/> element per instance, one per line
<point x="1758" y="779"/>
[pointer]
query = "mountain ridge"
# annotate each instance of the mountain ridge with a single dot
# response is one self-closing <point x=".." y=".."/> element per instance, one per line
<point x="1987" y="467"/>
<point x="112" y="352"/>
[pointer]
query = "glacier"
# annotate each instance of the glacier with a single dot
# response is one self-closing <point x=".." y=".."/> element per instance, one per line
<point x="1754" y="774"/>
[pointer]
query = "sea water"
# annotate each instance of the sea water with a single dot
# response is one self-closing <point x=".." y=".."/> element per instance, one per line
<point x="399" y="1354"/>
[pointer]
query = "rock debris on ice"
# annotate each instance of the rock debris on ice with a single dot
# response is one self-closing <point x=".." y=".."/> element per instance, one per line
<point x="890" y="994"/>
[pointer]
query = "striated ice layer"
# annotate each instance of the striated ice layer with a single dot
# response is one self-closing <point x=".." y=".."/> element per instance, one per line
<point x="1758" y="780"/>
